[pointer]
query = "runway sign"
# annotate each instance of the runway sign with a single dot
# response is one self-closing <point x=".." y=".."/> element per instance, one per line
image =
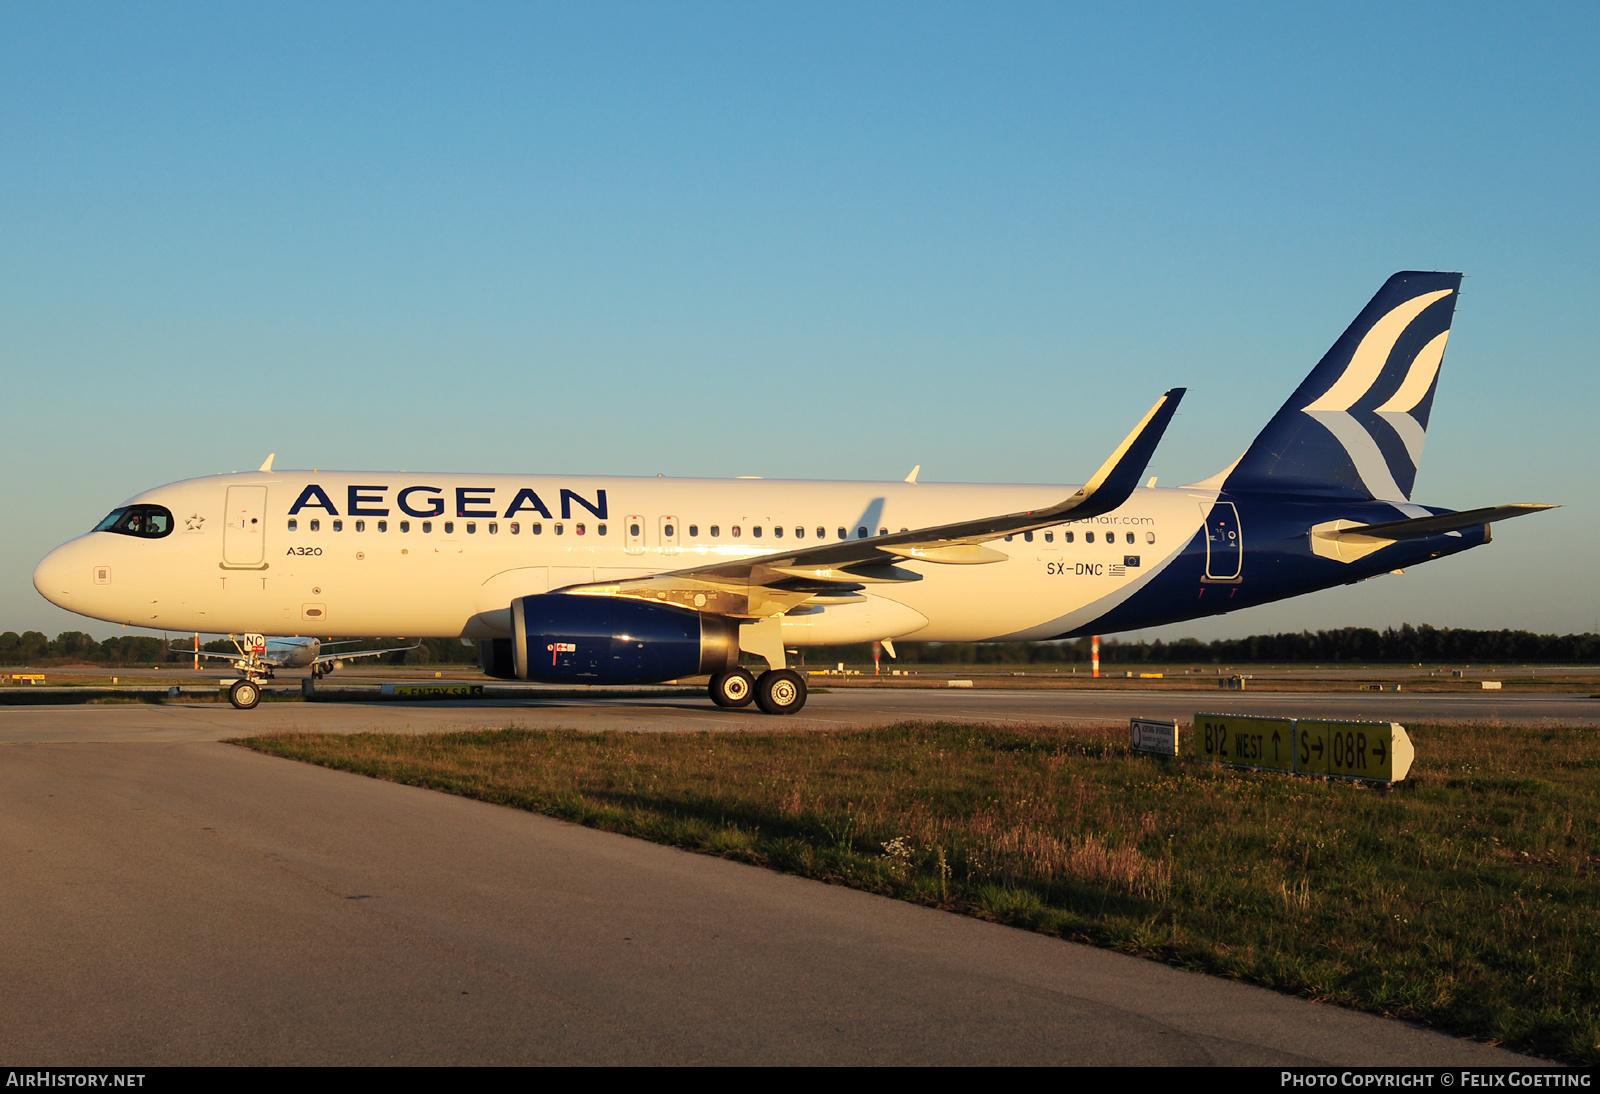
<point x="1233" y="739"/>
<point x="1374" y="751"/>
<point x="434" y="691"/>
<point x="1354" y="750"/>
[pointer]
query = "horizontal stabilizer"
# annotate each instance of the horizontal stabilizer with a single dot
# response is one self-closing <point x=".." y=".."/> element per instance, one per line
<point x="1348" y="541"/>
<point x="1423" y="527"/>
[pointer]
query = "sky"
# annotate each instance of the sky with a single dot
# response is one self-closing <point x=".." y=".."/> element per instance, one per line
<point x="799" y="241"/>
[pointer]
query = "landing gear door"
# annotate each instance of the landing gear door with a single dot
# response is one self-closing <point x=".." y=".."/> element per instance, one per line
<point x="244" y="531"/>
<point x="1224" y="543"/>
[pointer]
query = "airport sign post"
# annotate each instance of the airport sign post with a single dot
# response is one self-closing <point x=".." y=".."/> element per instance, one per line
<point x="1371" y="751"/>
<point x="1264" y="743"/>
<point x="1158" y="737"/>
<point x="1379" y="751"/>
<point x="434" y="691"/>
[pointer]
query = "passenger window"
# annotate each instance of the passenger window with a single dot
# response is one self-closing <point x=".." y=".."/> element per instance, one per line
<point x="843" y="534"/>
<point x="734" y="531"/>
<point x="338" y="526"/>
<point x="516" y="527"/>
<point x="1049" y="537"/>
<point x="316" y="525"/>
<point x="580" y="529"/>
<point x="1088" y="537"/>
<point x="405" y="526"/>
<point x="633" y="530"/>
<point x="427" y="526"/>
<point x="472" y="527"/>
<point x="777" y="531"/>
<point x="1149" y="537"/>
<point x="822" y="533"/>
<point x="1130" y="537"/>
<point x="799" y="533"/>
<point x="694" y="531"/>
<point x="666" y="530"/>
<point x="1066" y="537"/>
<point x="883" y="531"/>
<point x="861" y="533"/>
<point x="383" y="526"/>
<point x="561" y="529"/>
<point x="601" y="529"/>
<point x="361" y="526"/>
<point x="536" y="528"/>
<point x="1009" y="538"/>
<point x="294" y="525"/>
<point x="1027" y="537"/>
<point x="494" y="529"/>
<point x="756" y="531"/>
<point x="715" y="531"/>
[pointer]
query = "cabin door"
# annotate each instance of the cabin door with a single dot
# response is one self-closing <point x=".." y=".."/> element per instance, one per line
<point x="244" y="530"/>
<point x="1224" y="543"/>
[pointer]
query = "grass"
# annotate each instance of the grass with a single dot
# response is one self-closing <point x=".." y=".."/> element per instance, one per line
<point x="1465" y="899"/>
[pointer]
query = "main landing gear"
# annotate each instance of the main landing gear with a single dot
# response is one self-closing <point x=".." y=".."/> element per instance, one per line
<point x="734" y="688"/>
<point x="776" y="691"/>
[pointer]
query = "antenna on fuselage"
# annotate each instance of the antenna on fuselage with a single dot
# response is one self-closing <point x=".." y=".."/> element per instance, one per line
<point x="912" y="479"/>
<point x="266" y="464"/>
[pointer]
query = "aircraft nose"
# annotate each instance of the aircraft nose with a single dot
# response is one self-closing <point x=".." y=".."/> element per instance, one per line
<point x="60" y="575"/>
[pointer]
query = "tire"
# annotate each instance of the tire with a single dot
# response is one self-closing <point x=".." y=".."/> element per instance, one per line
<point x="244" y="694"/>
<point x="734" y="688"/>
<point x="781" y="691"/>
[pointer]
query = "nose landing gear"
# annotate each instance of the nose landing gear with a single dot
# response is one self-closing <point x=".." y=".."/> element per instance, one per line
<point x="244" y="694"/>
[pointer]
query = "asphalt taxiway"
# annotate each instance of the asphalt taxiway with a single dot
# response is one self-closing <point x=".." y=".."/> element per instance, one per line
<point x="837" y="709"/>
<point x="169" y="899"/>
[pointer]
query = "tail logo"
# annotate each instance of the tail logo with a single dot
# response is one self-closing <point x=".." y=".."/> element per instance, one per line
<point x="1367" y="365"/>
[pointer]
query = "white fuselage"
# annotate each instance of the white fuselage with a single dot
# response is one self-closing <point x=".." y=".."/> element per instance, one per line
<point x="434" y="555"/>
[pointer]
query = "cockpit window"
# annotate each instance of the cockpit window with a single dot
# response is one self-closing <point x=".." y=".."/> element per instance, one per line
<point x="144" y="521"/>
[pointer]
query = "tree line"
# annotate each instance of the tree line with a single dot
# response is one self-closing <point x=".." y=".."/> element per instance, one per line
<point x="1407" y="644"/>
<point x="78" y="648"/>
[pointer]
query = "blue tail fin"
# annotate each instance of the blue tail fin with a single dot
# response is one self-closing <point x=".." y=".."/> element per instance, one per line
<point x="1354" y="428"/>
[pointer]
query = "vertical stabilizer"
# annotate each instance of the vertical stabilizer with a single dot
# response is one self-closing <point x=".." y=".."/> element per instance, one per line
<point x="1355" y="427"/>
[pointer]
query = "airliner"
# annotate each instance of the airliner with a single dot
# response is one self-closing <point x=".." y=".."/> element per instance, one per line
<point x="611" y="580"/>
<point x="261" y="655"/>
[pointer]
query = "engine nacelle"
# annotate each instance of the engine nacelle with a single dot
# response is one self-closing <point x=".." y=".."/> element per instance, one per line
<point x="569" y="639"/>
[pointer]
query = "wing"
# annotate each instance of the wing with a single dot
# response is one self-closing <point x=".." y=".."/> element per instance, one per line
<point x="329" y="658"/>
<point x="773" y="583"/>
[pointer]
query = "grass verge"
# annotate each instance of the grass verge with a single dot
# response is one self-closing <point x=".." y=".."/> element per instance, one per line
<point x="1465" y="899"/>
